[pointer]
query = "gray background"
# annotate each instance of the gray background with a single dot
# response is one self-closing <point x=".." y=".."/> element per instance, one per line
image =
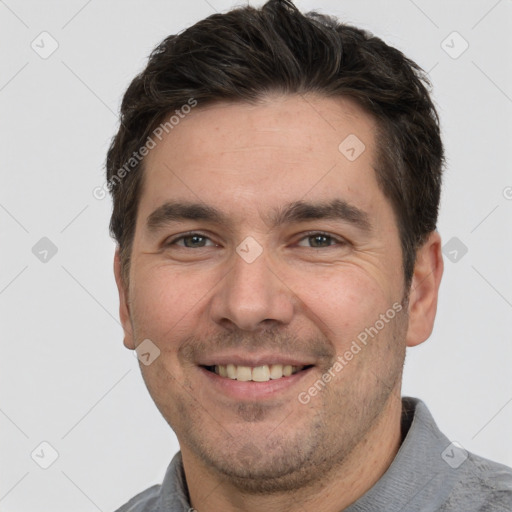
<point x="65" y="376"/>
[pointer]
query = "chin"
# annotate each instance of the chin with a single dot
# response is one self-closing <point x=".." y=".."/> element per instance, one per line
<point x="268" y="474"/>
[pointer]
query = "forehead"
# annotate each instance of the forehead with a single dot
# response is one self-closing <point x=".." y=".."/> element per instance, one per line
<point x="242" y="158"/>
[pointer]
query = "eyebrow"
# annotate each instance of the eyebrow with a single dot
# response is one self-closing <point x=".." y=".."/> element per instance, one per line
<point x="297" y="211"/>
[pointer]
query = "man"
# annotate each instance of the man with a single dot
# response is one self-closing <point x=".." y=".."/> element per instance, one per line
<point x="276" y="181"/>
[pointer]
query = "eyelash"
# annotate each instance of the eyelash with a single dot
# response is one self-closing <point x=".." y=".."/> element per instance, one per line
<point x="310" y="234"/>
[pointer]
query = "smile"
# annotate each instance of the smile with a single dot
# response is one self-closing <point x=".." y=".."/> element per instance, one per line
<point x="262" y="373"/>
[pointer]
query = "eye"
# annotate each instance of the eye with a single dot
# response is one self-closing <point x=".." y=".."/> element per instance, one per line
<point x="190" y="241"/>
<point x="320" y="240"/>
<point x="314" y="240"/>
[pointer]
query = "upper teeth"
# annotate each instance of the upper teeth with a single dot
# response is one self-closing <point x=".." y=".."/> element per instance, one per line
<point x="256" y="373"/>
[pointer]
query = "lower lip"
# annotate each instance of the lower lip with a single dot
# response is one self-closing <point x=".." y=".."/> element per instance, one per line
<point x="251" y="390"/>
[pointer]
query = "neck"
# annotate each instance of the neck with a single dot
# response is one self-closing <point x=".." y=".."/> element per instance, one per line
<point x="332" y="491"/>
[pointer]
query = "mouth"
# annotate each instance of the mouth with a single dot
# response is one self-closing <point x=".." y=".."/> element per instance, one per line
<point x="262" y="373"/>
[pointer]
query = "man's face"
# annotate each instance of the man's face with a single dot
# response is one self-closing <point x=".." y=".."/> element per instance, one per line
<point x="268" y="285"/>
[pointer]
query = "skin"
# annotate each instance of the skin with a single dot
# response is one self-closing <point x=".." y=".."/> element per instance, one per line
<point x="301" y="296"/>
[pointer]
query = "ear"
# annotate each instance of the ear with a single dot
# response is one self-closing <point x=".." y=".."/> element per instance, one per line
<point x="124" y="307"/>
<point x="426" y="279"/>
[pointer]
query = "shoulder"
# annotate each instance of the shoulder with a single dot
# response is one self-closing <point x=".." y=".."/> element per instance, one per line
<point x="495" y="482"/>
<point x="459" y="479"/>
<point x="482" y="486"/>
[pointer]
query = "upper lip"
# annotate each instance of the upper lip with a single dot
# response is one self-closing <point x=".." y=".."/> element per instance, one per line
<point x="253" y="360"/>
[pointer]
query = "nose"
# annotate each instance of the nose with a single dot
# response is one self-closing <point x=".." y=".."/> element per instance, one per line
<point x="252" y="296"/>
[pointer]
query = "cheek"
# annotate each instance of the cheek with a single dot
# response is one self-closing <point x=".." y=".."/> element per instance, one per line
<point x="343" y="301"/>
<point x="167" y="300"/>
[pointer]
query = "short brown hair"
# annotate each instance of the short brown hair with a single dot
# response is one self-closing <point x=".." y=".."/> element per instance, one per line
<point x="246" y="54"/>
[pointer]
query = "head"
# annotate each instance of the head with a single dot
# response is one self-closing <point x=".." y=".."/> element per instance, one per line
<point x="246" y="130"/>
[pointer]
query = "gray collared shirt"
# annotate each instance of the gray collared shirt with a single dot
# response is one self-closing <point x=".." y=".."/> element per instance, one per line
<point x="428" y="474"/>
